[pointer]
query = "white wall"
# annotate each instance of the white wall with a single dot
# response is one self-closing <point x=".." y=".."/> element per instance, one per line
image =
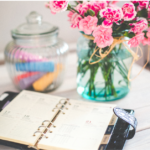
<point x="13" y="14"/>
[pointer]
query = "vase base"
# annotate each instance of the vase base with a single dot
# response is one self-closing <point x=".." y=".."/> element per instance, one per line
<point x="101" y="97"/>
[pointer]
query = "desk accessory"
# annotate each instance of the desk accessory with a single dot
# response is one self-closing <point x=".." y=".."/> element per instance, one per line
<point x="35" y="48"/>
<point x="112" y="139"/>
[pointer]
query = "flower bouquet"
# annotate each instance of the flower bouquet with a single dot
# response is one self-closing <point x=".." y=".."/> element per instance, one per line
<point x="105" y="57"/>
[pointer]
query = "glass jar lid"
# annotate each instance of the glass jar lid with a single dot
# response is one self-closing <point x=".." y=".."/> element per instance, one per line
<point x="34" y="27"/>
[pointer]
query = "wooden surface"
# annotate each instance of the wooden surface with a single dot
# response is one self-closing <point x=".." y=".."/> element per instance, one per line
<point x="138" y="99"/>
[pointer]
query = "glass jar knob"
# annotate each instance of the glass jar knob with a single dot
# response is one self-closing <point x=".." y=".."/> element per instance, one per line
<point x="34" y="18"/>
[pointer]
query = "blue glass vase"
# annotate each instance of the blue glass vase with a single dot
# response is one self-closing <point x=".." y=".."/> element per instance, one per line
<point x="106" y="80"/>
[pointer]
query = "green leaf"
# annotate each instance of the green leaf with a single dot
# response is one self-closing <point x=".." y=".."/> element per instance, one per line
<point x="145" y="32"/>
<point x="130" y="35"/>
<point x="69" y="7"/>
<point x="142" y="13"/>
<point x="98" y="15"/>
<point x="91" y="12"/>
<point x="86" y="14"/>
<point x="136" y="4"/>
<point x="100" y="21"/>
<point x="120" y="81"/>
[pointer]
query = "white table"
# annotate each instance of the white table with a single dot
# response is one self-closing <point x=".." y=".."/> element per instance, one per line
<point x="138" y="99"/>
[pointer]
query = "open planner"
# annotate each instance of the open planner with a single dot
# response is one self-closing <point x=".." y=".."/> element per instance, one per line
<point x="46" y="122"/>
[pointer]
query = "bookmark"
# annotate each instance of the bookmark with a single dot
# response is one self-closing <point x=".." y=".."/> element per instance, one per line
<point x="47" y="79"/>
<point x="27" y="82"/>
<point x="35" y="66"/>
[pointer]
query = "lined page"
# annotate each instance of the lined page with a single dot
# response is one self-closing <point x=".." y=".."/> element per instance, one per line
<point x="81" y="128"/>
<point x="22" y="117"/>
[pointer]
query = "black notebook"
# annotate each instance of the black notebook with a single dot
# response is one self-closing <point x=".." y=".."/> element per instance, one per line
<point x="41" y="121"/>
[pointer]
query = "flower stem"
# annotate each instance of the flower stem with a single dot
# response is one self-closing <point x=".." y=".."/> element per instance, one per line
<point x="70" y="8"/>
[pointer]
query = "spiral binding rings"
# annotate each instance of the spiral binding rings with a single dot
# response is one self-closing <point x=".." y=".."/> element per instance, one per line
<point x="45" y="128"/>
<point x="43" y="134"/>
<point x="49" y="122"/>
<point x="61" y="104"/>
<point x="60" y="107"/>
<point x="41" y="127"/>
<point x="67" y="101"/>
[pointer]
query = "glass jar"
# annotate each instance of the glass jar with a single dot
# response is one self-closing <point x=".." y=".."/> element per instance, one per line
<point x="35" y="59"/>
<point x="106" y="80"/>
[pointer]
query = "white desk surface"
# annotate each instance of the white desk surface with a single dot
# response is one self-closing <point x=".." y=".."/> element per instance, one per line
<point x="137" y="99"/>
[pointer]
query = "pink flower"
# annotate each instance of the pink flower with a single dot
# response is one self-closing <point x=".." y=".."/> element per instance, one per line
<point x="88" y="24"/>
<point x="135" y="41"/>
<point x="57" y="6"/>
<point x="148" y="33"/>
<point x="143" y="4"/>
<point x="135" y="1"/>
<point x="128" y="11"/>
<point x="111" y="15"/>
<point x="103" y="36"/>
<point x="114" y="2"/>
<point x="96" y="6"/>
<point x="146" y="41"/>
<point x="83" y="8"/>
<point x="139" y="26"/>
<point x="74" y="19"/>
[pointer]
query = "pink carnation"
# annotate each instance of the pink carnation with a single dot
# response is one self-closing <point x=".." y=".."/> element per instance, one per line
<point x="57" y="6"/>
<point x="103" y="36"/>
<point x="96" y="6"/>
<point x="134" y="1"/>
<point x="135" y="41"/>
<point x="146" y="41"/>
<point x="143" y="4"/>
<point x="111" y="15"/>
<point x="148" y="33"/>
<point x="74" y="19"/>
<point x="139" y="26"/>
<point x="88" y="24"/>
<point x="114" y="2"/>
<point x="128" y="11"/>
<point x="82" y="8"/>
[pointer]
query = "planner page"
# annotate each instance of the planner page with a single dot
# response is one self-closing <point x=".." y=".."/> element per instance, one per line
<point x="82" y="127"/>
<point x="22" y="117"/>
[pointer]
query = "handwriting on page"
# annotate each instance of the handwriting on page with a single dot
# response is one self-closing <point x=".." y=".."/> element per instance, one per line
<point x="22" y="117"/>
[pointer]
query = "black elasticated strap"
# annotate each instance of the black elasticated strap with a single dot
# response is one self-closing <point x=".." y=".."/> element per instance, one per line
<point x="127" y="117"/>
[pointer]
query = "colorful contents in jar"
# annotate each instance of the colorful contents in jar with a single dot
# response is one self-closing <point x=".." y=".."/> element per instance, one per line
<point x="37" y="73"/>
